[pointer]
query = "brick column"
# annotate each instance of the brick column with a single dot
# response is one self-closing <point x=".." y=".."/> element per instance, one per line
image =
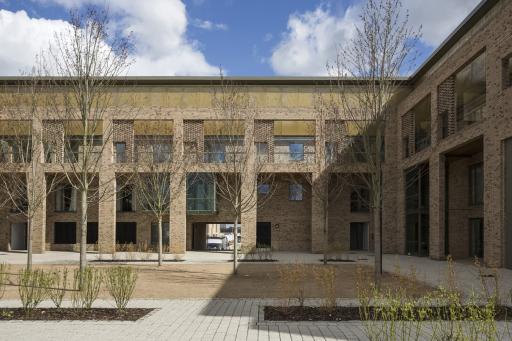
<point x="493" y="202"/>
<point x="178" y="207"/>
<point x="39" y="219"/>
<point x="437" y="178"/>
<point x="249" y="189"/>
<point x="107" y="185"/>
<point x="317" y="212"/>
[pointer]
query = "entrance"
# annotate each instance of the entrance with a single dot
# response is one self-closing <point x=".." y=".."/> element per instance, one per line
<point x="126" y="233"/>
<point x="19" y="236"/>
<point x="359" y="236"/>
<point x="476" y="234"/>
<point x="263" y="234"/>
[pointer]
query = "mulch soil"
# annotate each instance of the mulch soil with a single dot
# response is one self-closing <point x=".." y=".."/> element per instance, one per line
<point x="93" y="314"/>
<point x="297" y="313"/>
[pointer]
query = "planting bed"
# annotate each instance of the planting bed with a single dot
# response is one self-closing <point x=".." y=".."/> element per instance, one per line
<point x="297" y="313"/>
<point x="93" y="314"/>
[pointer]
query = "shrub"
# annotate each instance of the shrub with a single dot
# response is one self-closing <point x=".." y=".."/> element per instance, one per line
<point x="33" y="288"/>
<point x="4" y="268"/>
<point x="58" y="284"/>
<point x="326" y="278"/>
<point x="120" y="283"/>
<point x="292" y="279"/>
<point x="86" y="287"/>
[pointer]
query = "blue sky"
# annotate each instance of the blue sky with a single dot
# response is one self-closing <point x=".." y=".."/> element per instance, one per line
<point x="195" y="37"/>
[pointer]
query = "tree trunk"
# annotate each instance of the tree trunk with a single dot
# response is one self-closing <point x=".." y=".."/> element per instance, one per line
<point x="326" y="231"/>
<point x="378" y="244"/>
<point x="160" y="256"/>
<point x="29" y="243"/>
<point x="83" y="230"/>
<point x="235" y="246"/>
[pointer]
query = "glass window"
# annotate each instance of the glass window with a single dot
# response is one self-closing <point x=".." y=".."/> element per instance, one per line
<point x="330" y="152"/>
<point x="92" y="232"/>
<point x="359" y="200"/>
<point x="263" y="188"/>
<point x="200" y="192"/>
<point x="64" y="233"/>
<point x="295" y="192"/>
<point x="476" y="185"/>
<point x="154" y="233"/>
<point x="422" y="124"/>
<point x="470" y="92"/>
<point x="507" y="72"/>
<point x="161" y="152"/>
<point x="65" y="199"/>
<point x="124" y="200"/>
<point x="296" y="151"/>
<point x="262" y="151"/>
<point x="120" y="152"/>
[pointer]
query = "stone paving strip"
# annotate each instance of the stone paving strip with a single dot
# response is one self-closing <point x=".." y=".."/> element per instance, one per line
<point x="186" y="319"/>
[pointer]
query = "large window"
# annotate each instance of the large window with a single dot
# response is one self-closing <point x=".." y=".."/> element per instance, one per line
<point x="417" y="210"/>
<point x="120" y="148"/>
<point x="262" y="151"/>
<point x="124" y="199"/>
<point x="470" y="92"/>
<point x="64" y="233"/>
<point x="201" y="192"/>
<point x="295" y="192"/>
<point x="507" y="72"/>
<point x="65" y="198"/>
<point x="476" y="185"/>
<point x="165" y="233"/>
<point x="74" y="147"/>
<point x="359" y="236"/>
<point x="219" y="149"/>
<point x="422" y="124"/>
<point x="294" y="149"/>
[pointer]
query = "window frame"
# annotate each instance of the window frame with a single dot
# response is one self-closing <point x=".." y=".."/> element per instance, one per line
<point x="295" y="192"/>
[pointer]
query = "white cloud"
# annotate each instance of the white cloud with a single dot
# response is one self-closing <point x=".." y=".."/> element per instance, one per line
<point x="208" y="25"/>
<point x="311" y="41"/>
<point x="159" y="33"/>
<point x="312" y="37"/>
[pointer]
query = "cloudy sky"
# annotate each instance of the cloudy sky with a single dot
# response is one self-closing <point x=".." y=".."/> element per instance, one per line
<point x="196" y="37"/>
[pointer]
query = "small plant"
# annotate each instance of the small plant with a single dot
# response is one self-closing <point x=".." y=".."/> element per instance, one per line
<point x="58" y="284"/>
<point x="86" y="287"/>
<point x="120" y="283"/>
<point x="326" y="278"/>
<point x="33" y="288"/>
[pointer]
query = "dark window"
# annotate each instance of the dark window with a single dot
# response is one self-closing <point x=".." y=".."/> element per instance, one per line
<point x="65" y="233"/>
<point x="359" y="200"/>
<point x="358" y="236"/>
<point x="74" y="146"/>
<point x="417" y="211"/>
<point x="124" y="202"/>
<point x="330" y="152"/>
<point x="422" y="124"/>
<point x="470" y="92"/>
<point x="201" y="192"/>
<point x="154" y="233"/>
<point x="476" y="185"/>
<point x="92" y="232"/>
<point x="126" y="233"/>
<point x="295" y="192"/>
<point x="120" y="152"/>
<point x="263" y="188"/>
<point x="65" y="198"/>
<point x="443" y="119"/>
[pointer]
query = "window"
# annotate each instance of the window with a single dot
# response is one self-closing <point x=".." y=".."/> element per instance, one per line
<point x="64" y="233"/>
<point x="295" y="192"/>
<point x="263" y="188"/>
<point x="262" y="151"/>
<point x="161" y="152"/>
<point x="330" y="152"/>
<point x="92" y="232"/>
<point x="422" y="124"/>
<point x="476" y="185"/>
<point x="154" y="233"/>
<point x="190" y="149"/>
<point x="120" y="152"/>
<point x="296" y="151"/>
<point x="359" y="236"/>
<point x="359" y="200"/>
<point x="126" y="233"/>
<point x="470" y="92"/>
<point x="65" y="199"/>
<point x="74" y="147"/>
<point x="476" y="236"/>
<point x="507" y="72"/>
<point x="201" y="192"/>
<point x="124" y="200"/>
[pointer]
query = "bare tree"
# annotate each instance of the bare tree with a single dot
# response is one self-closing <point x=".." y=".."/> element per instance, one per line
<point x="326" y="182"/>
<point x="24" y="185"/>
<point x="239" y="171"/>
<point x="84" y="62"/>
<point x="157" y="178"/>
<point x="368" y="73"/>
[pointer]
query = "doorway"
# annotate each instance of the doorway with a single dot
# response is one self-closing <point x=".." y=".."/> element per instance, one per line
<point x="359" y="237"/>
<point x="476" y="235"/>
<point x="19" y="236"/>
<point x="264" y="234"/>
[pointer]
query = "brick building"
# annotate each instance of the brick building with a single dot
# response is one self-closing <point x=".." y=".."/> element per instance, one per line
<point x="448" y="160"/>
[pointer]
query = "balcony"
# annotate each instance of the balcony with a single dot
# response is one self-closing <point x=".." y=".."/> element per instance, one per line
<point x="223" y="149"/>
<point x="294" y="149"/>
<point x="152" y="149"/>
<point x="15" y="151"/>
